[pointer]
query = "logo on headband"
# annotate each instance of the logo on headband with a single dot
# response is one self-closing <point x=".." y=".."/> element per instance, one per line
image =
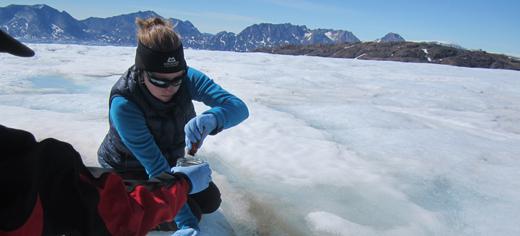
<point x="171" y="62"/>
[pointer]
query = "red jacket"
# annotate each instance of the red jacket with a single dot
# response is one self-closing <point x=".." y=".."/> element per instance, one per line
<point x="47" y="191"/>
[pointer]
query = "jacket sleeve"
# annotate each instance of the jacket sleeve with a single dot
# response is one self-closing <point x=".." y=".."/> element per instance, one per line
<point x="227" y="108"/>
<point x="130" y="124"/>
<point x="138" y="211"/>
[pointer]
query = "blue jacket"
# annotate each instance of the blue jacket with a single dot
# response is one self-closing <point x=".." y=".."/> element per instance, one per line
<point x="132" y="126"/>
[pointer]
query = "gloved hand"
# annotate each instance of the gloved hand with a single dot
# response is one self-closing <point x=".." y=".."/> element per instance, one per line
<point x="186" y="232"/>
<point x="198" y="128"/>
<point x="198" y="175"/>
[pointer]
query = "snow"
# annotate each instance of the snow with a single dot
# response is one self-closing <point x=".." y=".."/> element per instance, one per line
<point x="426" y="52"/>
<point x="56" y="31"/>
<point x="360" y="56"/>
<point x="307" y="35"/>
<point x="331" y="35"/>
<point x="332" y="146"/>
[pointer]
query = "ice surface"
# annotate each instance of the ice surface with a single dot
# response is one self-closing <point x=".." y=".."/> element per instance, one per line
<point x="332" y="146"/>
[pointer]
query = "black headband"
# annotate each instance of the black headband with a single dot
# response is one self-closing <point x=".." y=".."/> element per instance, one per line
<point x="157" y="61"/>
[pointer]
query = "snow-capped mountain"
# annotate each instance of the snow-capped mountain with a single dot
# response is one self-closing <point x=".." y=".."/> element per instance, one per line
<point x="274" y="35"/>
<point x="391" y="37"/>
<point x="121" y="30"/>
<point x="224" y="41"/>
<point x="41" y="23"/>
<point x="330" y="36"/>
<point x="117" y="30"/>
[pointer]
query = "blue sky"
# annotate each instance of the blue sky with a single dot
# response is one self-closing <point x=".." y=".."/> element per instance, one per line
<point x="491" y="25"/>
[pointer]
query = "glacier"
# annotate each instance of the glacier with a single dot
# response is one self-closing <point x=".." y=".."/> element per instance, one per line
<point x="331" y="147"/>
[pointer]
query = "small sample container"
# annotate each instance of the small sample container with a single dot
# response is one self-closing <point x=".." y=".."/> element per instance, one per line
<point x="189" y="161"/>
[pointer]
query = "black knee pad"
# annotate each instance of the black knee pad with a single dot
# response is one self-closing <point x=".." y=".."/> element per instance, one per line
<point x="209" y="199"/>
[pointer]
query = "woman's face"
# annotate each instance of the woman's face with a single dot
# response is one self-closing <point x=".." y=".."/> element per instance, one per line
<point x="163" y="94"/>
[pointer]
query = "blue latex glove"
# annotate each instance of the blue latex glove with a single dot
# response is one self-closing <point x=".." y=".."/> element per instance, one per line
<point x="186" y="232"/>
<point x="198" y="128"/>
<point x="198" y="175"/>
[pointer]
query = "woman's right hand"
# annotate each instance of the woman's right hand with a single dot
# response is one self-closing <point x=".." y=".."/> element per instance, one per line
<point x="199" y="176"/>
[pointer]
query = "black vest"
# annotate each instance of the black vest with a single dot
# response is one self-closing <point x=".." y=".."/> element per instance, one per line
<point x="164" y="120"/>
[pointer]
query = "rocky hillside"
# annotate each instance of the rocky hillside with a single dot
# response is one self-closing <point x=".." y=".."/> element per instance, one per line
<point x="405" y="52"/>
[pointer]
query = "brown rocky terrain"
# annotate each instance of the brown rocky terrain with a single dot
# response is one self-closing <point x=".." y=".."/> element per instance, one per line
<point x="403" y="51"/>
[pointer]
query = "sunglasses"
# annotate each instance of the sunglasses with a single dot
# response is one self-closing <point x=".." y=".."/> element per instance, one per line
<point x="164" y="83"/>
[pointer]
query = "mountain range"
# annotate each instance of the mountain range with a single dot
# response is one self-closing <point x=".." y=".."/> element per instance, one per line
<point x="44" y="24"/>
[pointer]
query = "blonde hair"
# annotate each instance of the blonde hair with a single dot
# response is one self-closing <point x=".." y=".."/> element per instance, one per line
<point x="157" y="34"/>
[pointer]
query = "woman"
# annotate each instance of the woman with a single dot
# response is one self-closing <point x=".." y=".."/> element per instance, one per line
<point x="152" y="118"/>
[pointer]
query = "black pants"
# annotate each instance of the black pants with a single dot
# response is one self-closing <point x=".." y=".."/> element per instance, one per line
<point x="206" y="201"/>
